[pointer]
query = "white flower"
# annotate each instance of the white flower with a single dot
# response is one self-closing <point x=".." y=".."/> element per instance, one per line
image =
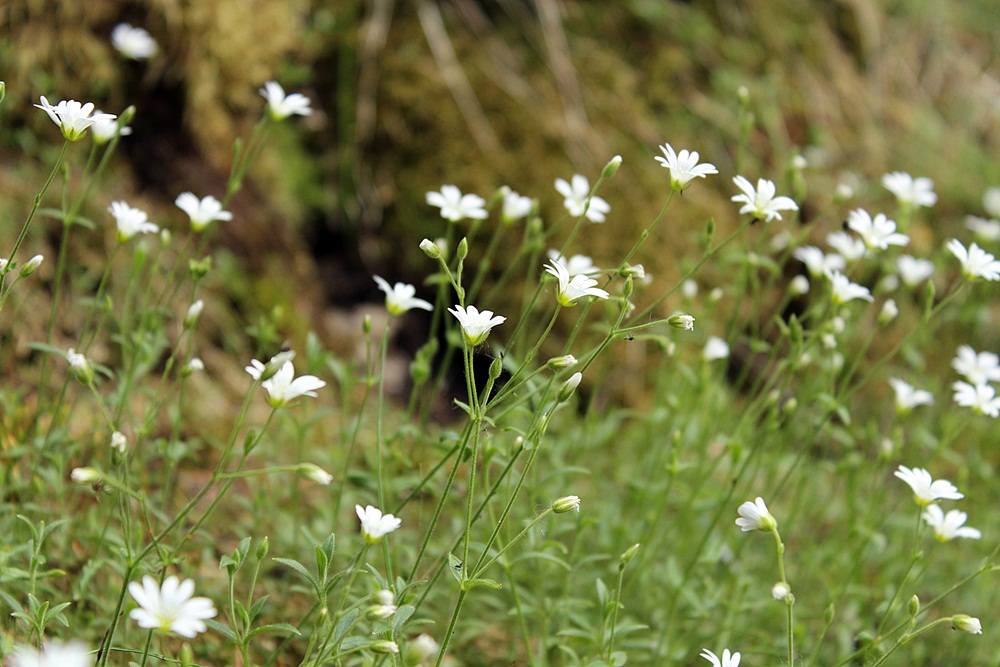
<point x="566" y="504"/>
<point x="53" y="654"/>
<point x="843" y="290"/>
<point x="977" y="367"/>
<point x="576" y="199"/>
<point x="981" y="398"/>
<point x="754" y="516"/>
<point x="130" y="221"/>
<point x="313" y="472"/>
<point x="374" y="524"/>
<point x="72" y="117"/>
<point x="913" y="271"/>
<point x="949" y="526"/>
<point x="976" y="262"/>
<point x="683" y="167"/>
<point x="761" y="202"/>
<point x="576" y="265"/>
<point x="281" y="106"/>
<point x="991" y="201"/>
<point x="910" y="191"/>
<point x="80" y="366"/>
<point x="907" y="397"/>
<point x="476" y="325"/>
<point x="202" y="212"/>
<point x="926" y="489"/>
<point x="780" y="590"/>
<point x="31" y="266"/>
<point x="134" y="43"/>
<point x="681" y="321"/>
<point x="987" y="230"/>
<point x="105" y="129"/>
<point x="878" y="233"/>
<point x="728" y="660"/>
<point x="798" y="285"/>
<point x="455" y="206"/>
<point x="514" y="206"/>
<point x="715" y="348"/>
<point x="421" y="649"/>
<point x="119" y="442"/>
<point x="195" y="365"/>
<point x="400" y="298"/>
<point x="571" y="289"/>
<point x="170" y="607"/>
<point x="281" y="387"/>
<point x="967" y="623"/>
<point x="850" y="248"/>
<point x="817" y="262"/>
<point x="193" y="313"/>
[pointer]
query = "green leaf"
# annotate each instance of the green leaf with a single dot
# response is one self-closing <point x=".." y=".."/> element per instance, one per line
<point x="274" y="627"/>
<point x="344" y="625"/>
<point x="455" y="567"/>
<point x="256" y="607"/>
<point x="401" y="616"/>
<point x="223" y="630"/>
<point x="489" y="583"/>
<point x="301" y="569"/>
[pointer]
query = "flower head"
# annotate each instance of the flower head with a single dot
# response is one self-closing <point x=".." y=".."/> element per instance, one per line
<point x="981" y="398"/>
<point x="907" y="397"/>
<point x="53" y="654"/>
<point x="681" y="321"/>
<point x="476" y="325"/>
<point x="119" y="442"/>
<point x="455" y="206"/>
<point x="134" y="43"/>
<point x="976" y="262"/>
<point x="843" y="290"/>
<point x="571" y="289"/>
<point x="985" y="229"/>
<point x="850" y="248"/>
<point x="130" y="221"/>
<point x="991" y="201"/>
<point x="715" y="348"/>
<point x="576" y="265"/>
<point x="926" y="489"/>
<point x="72" y="117"/>
<point x="400" y="298"/>
<point x="817" y="262"/>
<point x="683" y="167"/>
<point x="728" y="660"/>
<point x="761" y="202"/>
<point x="80" y="366"/>
<point x="910" y="191"/>
<point x="105" y="129"/>
<point x="170" y="607"/>
<point x="374" y="524"/>
<point x="780" y="590"/>
<point x="566" y="504"/>
<point x="577" y="200"/>
<point x="949" y="526"/>
<point x="754" y="516"/>
<point x="514" y="205"/>
<point x="913" y="271"/>
<point x="977" y="367"/>
<point x="281" y="106"/>
<point x="283" y="387"/>
<point x="202" y="212"/>
<point x="878" y="233"/>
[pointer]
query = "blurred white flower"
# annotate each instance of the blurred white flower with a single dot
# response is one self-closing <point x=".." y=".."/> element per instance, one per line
<point x="455" y="206"/>
<point x="780" y="590"/>
<point x="683" y="167"/>
<point x="907" y="397"/>
<point x="134" y="43"/>
<point x="400" y="298"/>
<point x="281" y="106"/>
<point x="514" y="205"/>
<point x="576" y="265"/>
<point x="925" y="488"/>
<point x="203" y="211"/>
<point x="476" y="325"/>
<point x="986" y="230"/>
<point x="976" y="262"/>
<point x="313" y="472"/>
<point x="761" y="202"/>
<point x="843" y="290"/>
<point x="571" y="289"/>
<point x="967" y="623"/>
<point x="991" y="201"/>
<point x="105" y="129"/>
<point x="715" y="348"/>
<point x="817" y="262"/>
<point x="72" y="117"/>
<point x="53" y="654"/>
<point x="850" y="248"/>
<point x="374" y="524"/>
<point x="977" y="367"/>
<point x="913" y="271"/>
<point x="576" y="199"/>
<point x="119" y="442"/>
<point x="878" y="233"/>
<point x="981" y="398"/>
<point x="80" y="366"/>
<point x="130" y="221"/>
<point x="755" y="516"/>
<point x="283" y="387"/>
<point x="799" y="285"/>
<point x="728" y="660"/>
<point x="170" y="607"/>
<point x="910" y="191"/>
<point x="949" y="526"/>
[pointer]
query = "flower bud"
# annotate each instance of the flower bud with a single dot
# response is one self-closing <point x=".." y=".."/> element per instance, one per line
<point x="119" y="442"/>
<point x="628" y="271"/>
<point x="313" y="472"/>
<point x="798" y="286"/>
<point x="193" y="313"/>
<point x="566" y="361"/>
<point x="262" y="547"/>
<point x="31" y="266"/>
<point x="566" y="504"/>
<point x="569" y="386"/>
<point x="199" y="268"/>
<point x="611" y="167"/>
<point x="913" y="606"/>
<point x="421" y="649"/>
<point x="496" y="367"/>
<point x="384" y="646"/>
<point x="3" y="90"/>
<point x="967" y="623"/>
<point x="80" y="366"/>
<point x="462" y="251"/>
<point x="629" y="554"/>
<point x="195" y="365"/>
<point x="889" y="312"/>
<point x="85" y="475"/>
<point x="126" y="116"/>
<point x="780" y="590"/>
<point x="681" y="321"/>
<point x="366" y="325"/>
<point x="430" y="249"/>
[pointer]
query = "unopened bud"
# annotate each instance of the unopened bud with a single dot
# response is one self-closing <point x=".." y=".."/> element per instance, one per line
<point x="681" y="321"/>
<point x="798" y="286"/>
<point x="313" y="472"/>
<point x="463" y="249"/>
<point x="199" y="268"/>
<point x="80" y="366"/>
<point x="430" y="249"/>
<point x="195" y="365"/>
<point x="565" y="361"/>
<point x="569" y="386"/>
<point x="31" y="266"/>
<point x="384" y="646"/>
<point x="628" y="271"/>
<point x="496" y="367"/>
<point x="967" y="623"/>
<point x="119" y="442"/>
<point x="611" y="167"/>
<point x="780" y="590"/>
<point x="193" y="313"/>
<point x="85" y="475"/>
<point x="913" y="606"/>
<point x="126" y="116"/>
<point x="628" y="555"/>
<point x="889" y="312"/>
<point x="366" y="325"/>
<point x="566" y="504"/>
<point x="262" y="549"/>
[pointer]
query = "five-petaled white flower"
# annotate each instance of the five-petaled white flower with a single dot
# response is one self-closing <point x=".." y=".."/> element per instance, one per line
<point x="761" y="202"/>
<point x="475" y="325"/>
<point x="571" y="289"/>
<point x="878" y="233"/>
<point x="514" y="205"/>
<point x="105" y="129"/>
<point x="455" y="206"/>
<point x="925" y="488"/>
<point x="281" y="106"/>
<point x="170" y="607"/>
<point x="985" y="229"/>
<point x="910" y="191"/>
<point x="715" y="348"/>
<point x="683" y="166"/>
<point x="728" y="660"/>
<point x="843" y="290"/>
<point x="202" y="212"/>
<point x="949" y="526"/>
<point x="131" y="42"/>
<point x="576" y="265"/>
<point x="130" y="221"/>
<point x="577" y="200"/>
<point x="72" y="117"/>
<point x="400" y="298"/>
<point x="53" y="654"/>
<point x="913" y="271"/>
<point x="817" y="262"/>
<point x="283" y="387"/>
<point x="754" y="516"/>
<point x="976" y="262"/>
<point x="977" y="367"/>
<point x="374" y="524"/>
<point x="981" y="398"/>
<point x="850" y="248"/>
<point x="907" y="397"/>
